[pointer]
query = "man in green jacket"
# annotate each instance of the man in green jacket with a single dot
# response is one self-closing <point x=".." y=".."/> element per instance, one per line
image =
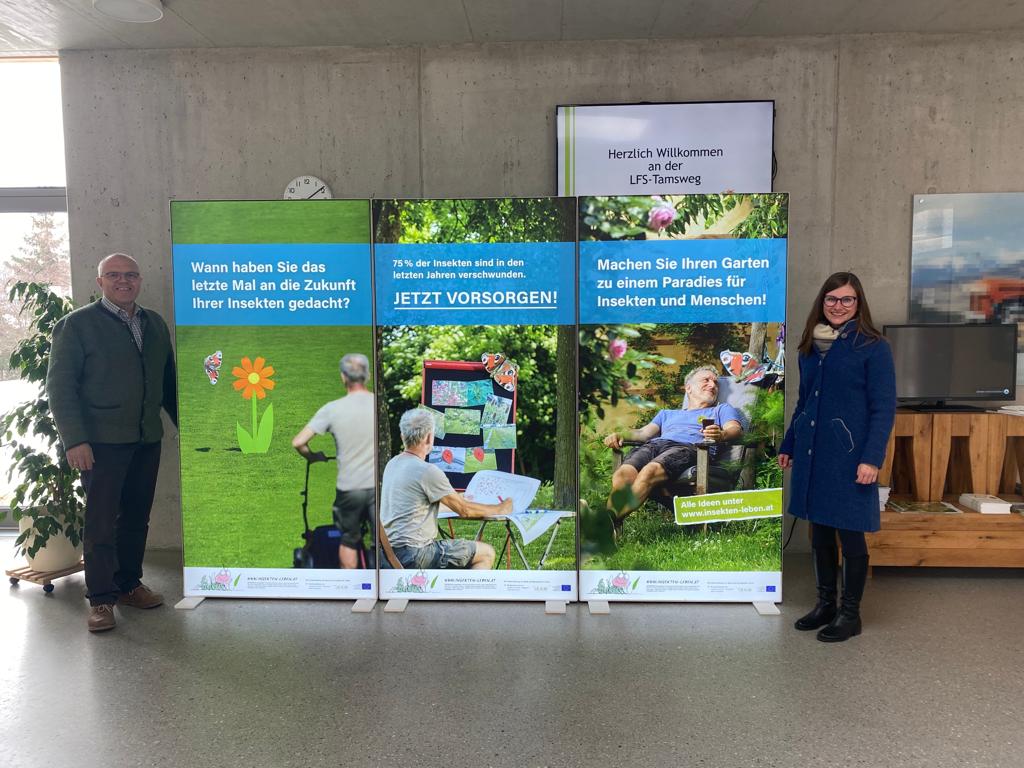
<point x="111" y="370"/>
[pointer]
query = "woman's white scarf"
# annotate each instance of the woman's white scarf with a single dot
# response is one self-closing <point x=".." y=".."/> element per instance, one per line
<point x="824" y="335"/>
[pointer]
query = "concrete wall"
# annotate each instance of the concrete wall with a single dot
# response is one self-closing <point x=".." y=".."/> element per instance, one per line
<point x="862" y="123"/>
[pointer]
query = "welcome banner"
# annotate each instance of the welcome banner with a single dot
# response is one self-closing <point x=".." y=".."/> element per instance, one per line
<point x="475" y="308"/>
<point x="681" y="365"/>
<point x="634" y="149"/>
<point x="268" y="297"/>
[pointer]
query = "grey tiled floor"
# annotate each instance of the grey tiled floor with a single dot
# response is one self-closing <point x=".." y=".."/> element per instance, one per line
<point x="936" y="679"/>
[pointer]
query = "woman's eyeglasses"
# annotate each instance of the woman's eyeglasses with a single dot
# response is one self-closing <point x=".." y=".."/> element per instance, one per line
<point x="846" y="301"/>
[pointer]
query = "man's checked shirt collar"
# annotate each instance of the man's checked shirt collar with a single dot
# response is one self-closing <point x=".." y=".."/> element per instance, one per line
<point x="133" y="321"/>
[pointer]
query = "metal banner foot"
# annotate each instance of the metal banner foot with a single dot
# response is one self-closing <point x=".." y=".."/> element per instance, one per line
<point x="395" y="605"/>
<point x="188" y="603"/>
<point x="555" y="606"/>
<point x="766" y="609"/>
<point x="364" y="606"/>
<point x="599" y="607"/>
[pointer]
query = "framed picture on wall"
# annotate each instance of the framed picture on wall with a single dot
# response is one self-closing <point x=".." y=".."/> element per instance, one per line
<point x="967" y="261"/>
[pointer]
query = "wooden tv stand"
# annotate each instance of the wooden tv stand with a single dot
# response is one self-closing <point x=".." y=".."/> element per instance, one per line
<point x="968" y="540"/>
<point x="938" y="456"/>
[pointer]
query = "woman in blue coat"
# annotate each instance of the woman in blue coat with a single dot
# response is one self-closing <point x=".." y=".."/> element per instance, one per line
<point x="836" y="443"/>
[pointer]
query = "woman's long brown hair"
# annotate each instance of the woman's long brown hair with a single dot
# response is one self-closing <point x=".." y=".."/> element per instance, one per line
<point x="817" y="314"/>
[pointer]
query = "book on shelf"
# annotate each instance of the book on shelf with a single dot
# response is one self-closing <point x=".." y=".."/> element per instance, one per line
<point x="924" y="508"/>
<point x="985" y="503"/>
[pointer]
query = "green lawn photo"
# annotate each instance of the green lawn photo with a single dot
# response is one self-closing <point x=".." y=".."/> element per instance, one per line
<point x="270" y="221"/>
<point x="561" y="557"/>
<point x="651" y="541"/>
<point x="244" y="510"/>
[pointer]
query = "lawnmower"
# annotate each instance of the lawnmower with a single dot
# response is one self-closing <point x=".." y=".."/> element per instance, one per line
<point x="321" y="544"/>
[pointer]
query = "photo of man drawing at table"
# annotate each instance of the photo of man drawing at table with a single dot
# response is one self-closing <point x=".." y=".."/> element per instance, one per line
<point x="412" y="492"/>
<point x="671" y="440"/>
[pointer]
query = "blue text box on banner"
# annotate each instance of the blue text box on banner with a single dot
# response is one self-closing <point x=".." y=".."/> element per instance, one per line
<point x="683" y="281"/>
<point x="272" y="284"/>
<point x="475" y="284"/>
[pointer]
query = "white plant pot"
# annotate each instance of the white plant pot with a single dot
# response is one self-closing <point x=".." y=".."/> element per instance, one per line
<point x="58" y="554"/>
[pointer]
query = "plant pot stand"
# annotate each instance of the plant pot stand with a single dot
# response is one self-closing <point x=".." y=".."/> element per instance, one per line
<point x="45" y="578"/>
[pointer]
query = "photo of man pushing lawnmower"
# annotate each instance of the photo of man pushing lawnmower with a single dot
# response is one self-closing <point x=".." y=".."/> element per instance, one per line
<point x="350" y="420"/>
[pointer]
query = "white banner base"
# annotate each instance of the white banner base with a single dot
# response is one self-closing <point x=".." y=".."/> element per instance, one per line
<point x="444" y="584"/>
<point x="766" y="609"/>
<point x="188" y="603"/>
<point x="682" y="586"/>
<point x="555" y="606"/>
<point x="396" y="606"/>
<point x="365" y="605"/>
<point x="599" y="607"/>
<point x="310" y="583"/>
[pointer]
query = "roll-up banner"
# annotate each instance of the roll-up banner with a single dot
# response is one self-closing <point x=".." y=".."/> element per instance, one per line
<point x="681" y="361"/>
<point x="476" y="340"/>
<point x="635" y="149"/>
<point x="269" y="297"/>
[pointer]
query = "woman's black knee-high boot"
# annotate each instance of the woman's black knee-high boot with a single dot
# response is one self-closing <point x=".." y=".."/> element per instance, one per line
<point x="825" y="567"/>
<point x="847" y="622"/>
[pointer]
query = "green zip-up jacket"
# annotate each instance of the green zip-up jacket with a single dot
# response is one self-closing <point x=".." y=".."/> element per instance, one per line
<point x="101" y="388"/>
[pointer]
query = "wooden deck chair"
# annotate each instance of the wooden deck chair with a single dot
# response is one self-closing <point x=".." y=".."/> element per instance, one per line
<point x="706" y="476"/>
<point x="385" y="545"/>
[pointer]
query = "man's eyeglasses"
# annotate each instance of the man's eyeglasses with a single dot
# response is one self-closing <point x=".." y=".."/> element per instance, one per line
<point x="129" y="276"/>
<point x="846" y="301"/>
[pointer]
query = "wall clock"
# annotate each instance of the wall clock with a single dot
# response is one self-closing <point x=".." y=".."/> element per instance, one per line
<point x="307" y="187"/>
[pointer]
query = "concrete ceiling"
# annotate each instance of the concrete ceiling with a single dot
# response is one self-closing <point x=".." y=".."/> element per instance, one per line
<point x="32" y="27"/>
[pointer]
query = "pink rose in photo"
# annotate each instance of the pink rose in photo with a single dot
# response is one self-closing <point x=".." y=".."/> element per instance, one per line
<point x="617" y="348"/>
<point x="660" y="217"/>
<point x="419" y="580"/>
<point x="620" y="581"/>
<point x="223" y="578"/>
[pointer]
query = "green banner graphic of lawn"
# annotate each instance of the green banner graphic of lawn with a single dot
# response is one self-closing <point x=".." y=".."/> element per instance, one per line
<point x="252" y="379"/>
<point x="723" y="507"/>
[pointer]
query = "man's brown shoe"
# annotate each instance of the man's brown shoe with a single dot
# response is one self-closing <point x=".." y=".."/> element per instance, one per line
<point x="101" y="618"/>
<point x="141" y="597"/>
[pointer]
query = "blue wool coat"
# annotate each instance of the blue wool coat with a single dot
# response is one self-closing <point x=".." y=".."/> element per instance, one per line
<point x="843" y="418"/>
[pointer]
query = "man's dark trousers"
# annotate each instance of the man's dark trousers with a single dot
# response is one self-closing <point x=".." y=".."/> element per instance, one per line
<point x="119" y="493"/>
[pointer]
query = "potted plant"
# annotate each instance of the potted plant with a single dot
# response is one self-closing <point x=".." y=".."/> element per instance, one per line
<point x="48" y="500"/>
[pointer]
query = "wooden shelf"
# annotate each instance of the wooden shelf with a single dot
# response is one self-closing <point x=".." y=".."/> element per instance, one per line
<point x="968" y="540"/>
<point x="932" y="455"/>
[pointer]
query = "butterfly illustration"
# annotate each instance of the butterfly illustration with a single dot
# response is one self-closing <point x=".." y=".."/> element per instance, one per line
<point x="742" y="366"/>
<point x="212" y="365"/>
<point x="492" y="360"/>
<point x="501" y="369"/>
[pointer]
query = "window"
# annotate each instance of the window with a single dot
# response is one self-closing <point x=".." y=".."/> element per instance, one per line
<point x="32" y="131"/>
<point x="33" y="211"/>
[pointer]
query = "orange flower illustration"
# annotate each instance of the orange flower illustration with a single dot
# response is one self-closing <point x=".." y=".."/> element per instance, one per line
<point x="253" y="378"/>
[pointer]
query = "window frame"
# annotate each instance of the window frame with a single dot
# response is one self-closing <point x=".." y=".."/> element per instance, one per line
<point x="29" y="200"/>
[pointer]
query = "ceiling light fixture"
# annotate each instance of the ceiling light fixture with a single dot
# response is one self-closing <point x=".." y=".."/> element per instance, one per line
<point x="132" y="11"/>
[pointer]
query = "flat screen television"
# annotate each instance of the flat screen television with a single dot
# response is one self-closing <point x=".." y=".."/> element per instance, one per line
<point x="936" y="364"/>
